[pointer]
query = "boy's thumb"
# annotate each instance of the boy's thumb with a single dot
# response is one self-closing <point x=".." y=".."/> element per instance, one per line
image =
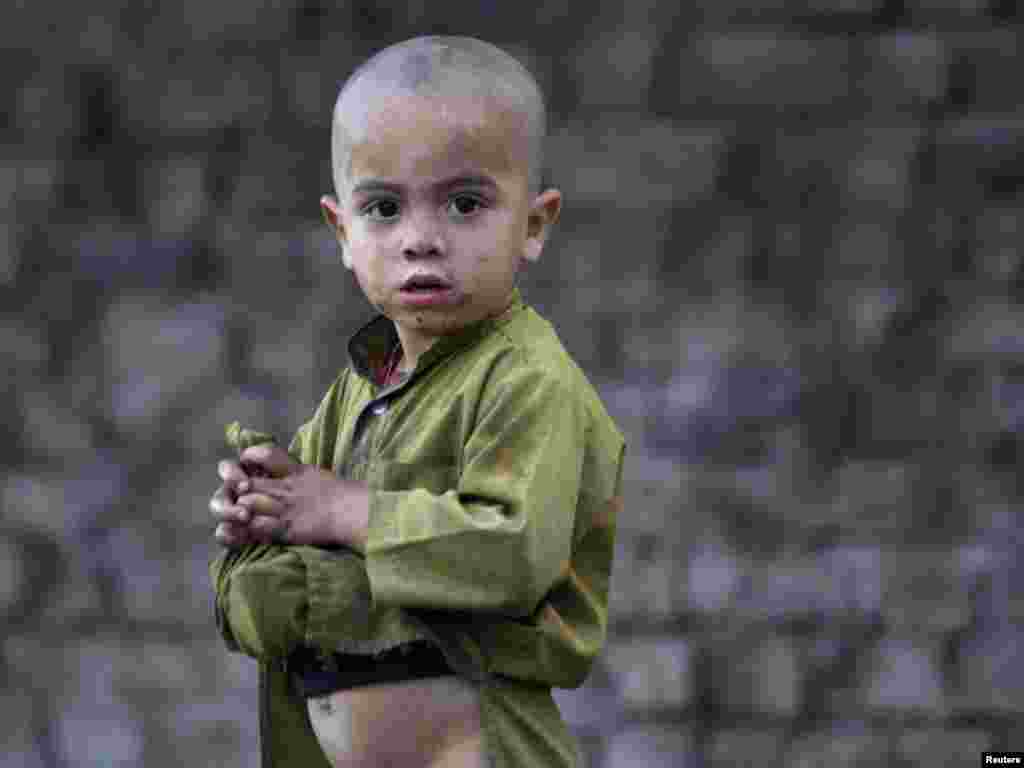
<point x="269" y="458"/>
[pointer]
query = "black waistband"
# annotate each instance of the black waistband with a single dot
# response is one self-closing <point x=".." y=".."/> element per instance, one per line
<point x="317" y="675"/>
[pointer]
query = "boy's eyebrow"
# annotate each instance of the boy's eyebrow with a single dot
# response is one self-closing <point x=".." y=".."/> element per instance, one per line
<point x="461" y="180"/>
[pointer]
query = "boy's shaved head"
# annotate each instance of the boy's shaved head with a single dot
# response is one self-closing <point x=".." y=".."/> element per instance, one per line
<point x="463" y="68"/>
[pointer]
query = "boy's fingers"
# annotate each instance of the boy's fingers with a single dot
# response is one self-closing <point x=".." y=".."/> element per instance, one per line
<point x="271" y="459"/>
<point x="258" y="504"/>
<point x="268" y="529"/>
<point x="222" y="508"/>
<point x="218" y="502"/>
<point x="231" y="535"/>
<point x="231" y="471"/>
<point x="275" y="488"/>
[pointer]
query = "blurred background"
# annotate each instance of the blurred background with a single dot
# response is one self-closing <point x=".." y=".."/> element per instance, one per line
<point x="790" y="260"/>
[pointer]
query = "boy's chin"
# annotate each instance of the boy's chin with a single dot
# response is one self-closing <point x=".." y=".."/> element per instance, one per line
<point x="430" y="320"/>
<point x="435" y="321"/>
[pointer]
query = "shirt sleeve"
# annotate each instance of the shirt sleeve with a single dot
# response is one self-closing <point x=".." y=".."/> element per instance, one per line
<point x="273" y="599"/>
<point x="499" y="540"/>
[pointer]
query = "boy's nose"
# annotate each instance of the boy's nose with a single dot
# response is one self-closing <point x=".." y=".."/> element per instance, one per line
<point x="416" y="250"/>
<point x="423" y="237"/>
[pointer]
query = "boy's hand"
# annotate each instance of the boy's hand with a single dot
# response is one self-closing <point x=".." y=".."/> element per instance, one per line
<point x="234" y="521"/>
<point x="290" y="503"/>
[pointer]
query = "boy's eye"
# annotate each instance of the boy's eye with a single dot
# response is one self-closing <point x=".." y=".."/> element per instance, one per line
<point x="465" y="205"/>
<point x="381" y="209"/>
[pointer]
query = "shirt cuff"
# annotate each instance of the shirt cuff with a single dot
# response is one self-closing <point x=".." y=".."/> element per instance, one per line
<point x="341" y="613"/>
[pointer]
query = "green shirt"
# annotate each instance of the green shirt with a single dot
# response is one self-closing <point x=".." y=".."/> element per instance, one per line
<point x="495" y="481"/>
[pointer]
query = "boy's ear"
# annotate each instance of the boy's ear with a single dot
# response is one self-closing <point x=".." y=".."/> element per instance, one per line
<point x="331" y="210"/>
<point x="543" y="214"/>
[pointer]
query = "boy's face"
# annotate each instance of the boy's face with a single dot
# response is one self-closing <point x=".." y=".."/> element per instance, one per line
<point x="436" y="216"/>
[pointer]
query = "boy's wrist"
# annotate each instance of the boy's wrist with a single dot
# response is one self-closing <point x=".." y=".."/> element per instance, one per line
<point x="351" y="516"/>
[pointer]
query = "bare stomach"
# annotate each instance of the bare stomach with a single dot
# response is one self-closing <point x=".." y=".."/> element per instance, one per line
<point x="432" y="723"/>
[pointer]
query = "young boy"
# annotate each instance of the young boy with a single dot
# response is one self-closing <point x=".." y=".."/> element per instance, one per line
<point x="433" y="553"/>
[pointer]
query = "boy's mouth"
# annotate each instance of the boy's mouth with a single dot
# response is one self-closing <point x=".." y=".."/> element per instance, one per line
<point x="425" y="289"/>
<point x="424" y="282"/>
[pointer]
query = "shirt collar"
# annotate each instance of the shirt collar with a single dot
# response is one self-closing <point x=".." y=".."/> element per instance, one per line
<point x="370" y="346"/>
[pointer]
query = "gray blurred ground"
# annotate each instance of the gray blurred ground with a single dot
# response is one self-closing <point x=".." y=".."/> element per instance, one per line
<point x="790" y="260"/>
